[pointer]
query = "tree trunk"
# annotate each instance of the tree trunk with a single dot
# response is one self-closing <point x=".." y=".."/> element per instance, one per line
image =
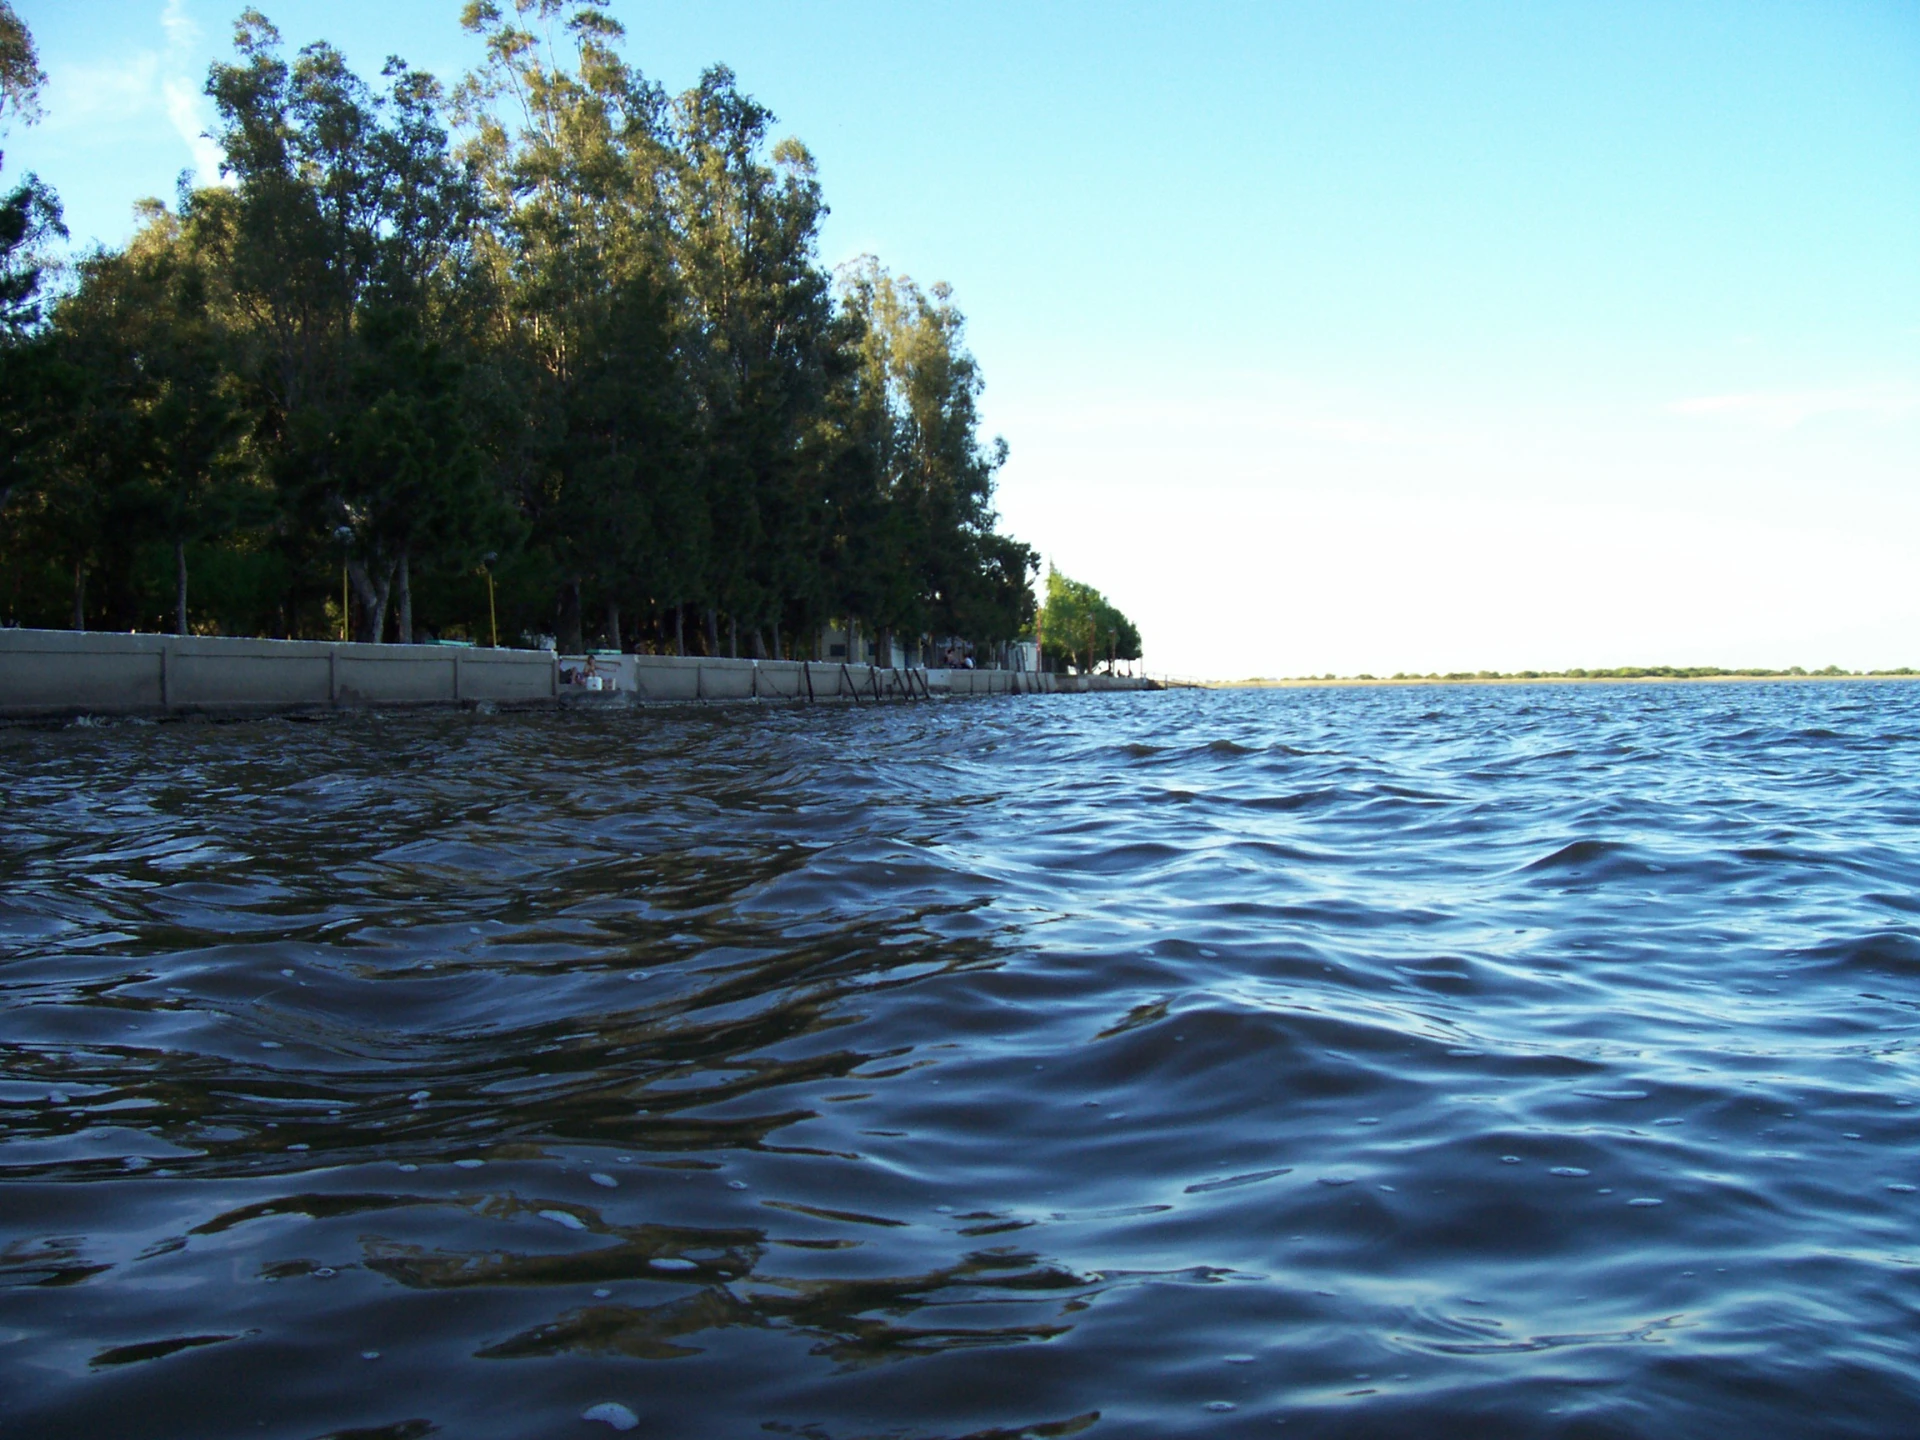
<point x="713" y="632"/>
<point x="406" y="597"/>
<point x="383" y="594"/>
<point x="179" y="587"/>
<point x="778" y="653"/>
<point x="679" y="629"/>
<point x="759" y="643"/>
<point x="733" y="638"/>
<point x="373" y="600"/>
<point x="79" y="595"/>
<point x="885" y="657"/>
<point x="613" y="625"/>
<point x="568" y="627"/>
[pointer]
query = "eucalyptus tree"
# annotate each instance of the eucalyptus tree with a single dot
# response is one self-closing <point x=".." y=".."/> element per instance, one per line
<point x="931" y="558"/>
<point x="746" y="232"/>
<point x="343" y="248"/>
<point x="184" y="413"/>
<point x="568" y="141"/>
<point x="21" y="77"/>
<point x="29" y="220"/>
<point x="1081" y="627"/>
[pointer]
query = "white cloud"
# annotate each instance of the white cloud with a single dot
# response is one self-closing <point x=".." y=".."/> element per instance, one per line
<point x="81" y="97"/>
<point x="1784" y="409"/>
<point x="187" y="107"/>
<point x="181" y="31"/>
<point x="155" y="85"/>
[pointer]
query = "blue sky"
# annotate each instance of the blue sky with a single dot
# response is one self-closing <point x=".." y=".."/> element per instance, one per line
<point x="1340" y="336"/>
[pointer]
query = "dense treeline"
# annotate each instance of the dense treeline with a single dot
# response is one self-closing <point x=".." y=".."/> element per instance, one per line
<point x="555" y="329"/>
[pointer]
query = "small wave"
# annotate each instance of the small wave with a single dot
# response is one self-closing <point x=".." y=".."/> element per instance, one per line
<point x="1299" y="800"/>
<point x="820" y="1047"/>
<point x="1578" y="855"/>
<point x="1592" y="860"/>
<point x="1227" y="747"/>
<point x="1894" y="952"/>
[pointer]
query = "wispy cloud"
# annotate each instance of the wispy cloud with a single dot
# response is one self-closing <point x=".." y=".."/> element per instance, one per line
<point x="83" y="96"/>
<point x="159" y="84"/>
<point x="186" y="103"/>
<point x="1784" y="409"/>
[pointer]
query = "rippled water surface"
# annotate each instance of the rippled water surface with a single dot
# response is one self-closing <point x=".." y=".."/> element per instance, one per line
<point x="1498" y="1061"/>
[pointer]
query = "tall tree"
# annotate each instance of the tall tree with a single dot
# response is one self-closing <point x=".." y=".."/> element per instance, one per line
<point x="187" y="422"/>
<point x="1080" y="627"/>
<point x="746" y="229"/>
<point x="346" y="246"/>
<point x="930" y="537"/>
<point x="568" y="141"/>
<point x="29" y="218"/>
<point x="21" y="77"/>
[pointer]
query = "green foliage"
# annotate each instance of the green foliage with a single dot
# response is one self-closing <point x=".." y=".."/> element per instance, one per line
<point x="1079" y="627"/>
<point x="587" y="342"/>
<point x="924" y="555"/>
<point x="20" y="75"/>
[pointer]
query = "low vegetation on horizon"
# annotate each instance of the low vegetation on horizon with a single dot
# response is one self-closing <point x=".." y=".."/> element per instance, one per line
<point x="1619" y="672"/>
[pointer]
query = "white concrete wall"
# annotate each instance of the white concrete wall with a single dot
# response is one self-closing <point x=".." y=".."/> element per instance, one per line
<point x="64" y="672"/>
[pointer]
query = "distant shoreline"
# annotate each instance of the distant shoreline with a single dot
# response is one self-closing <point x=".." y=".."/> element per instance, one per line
<point x="1594" y="677"/>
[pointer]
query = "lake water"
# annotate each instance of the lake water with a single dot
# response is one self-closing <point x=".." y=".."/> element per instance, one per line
<point x="1479" y="1061"/>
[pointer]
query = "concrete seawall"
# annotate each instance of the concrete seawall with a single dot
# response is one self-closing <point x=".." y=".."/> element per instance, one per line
<point x="63" y="672"/>
<point x="47" y="674"/>
<point x="673" y="677"/>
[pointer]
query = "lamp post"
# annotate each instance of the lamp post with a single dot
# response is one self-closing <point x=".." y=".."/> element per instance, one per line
<point x="344" y="534"/>
<point x="493" y="621"/>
